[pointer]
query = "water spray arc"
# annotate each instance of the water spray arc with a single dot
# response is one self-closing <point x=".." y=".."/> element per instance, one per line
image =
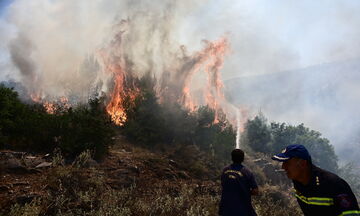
<point x="238" y="128"/>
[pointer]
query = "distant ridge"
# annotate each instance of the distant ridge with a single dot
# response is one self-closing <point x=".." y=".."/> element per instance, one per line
<point x="324" y="97"/>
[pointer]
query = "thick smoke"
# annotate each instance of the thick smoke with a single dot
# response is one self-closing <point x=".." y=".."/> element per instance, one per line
<point x="54" y="48"/>
<point x="57" y="46"/>
<point x="21" y="51"/>
<point x="323" y="97"/>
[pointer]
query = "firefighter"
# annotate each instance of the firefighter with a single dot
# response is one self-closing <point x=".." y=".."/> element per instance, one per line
<point x="317" y="191"/>
<point x="238" y="184"/>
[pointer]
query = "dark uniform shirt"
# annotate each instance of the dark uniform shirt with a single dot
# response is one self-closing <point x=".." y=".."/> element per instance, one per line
<point x="326" y="194"/>
<point x="237" y="183"/>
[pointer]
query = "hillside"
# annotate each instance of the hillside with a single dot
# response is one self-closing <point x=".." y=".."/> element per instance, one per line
<point x="324" y="97"/>
<point x="129" y="181"/>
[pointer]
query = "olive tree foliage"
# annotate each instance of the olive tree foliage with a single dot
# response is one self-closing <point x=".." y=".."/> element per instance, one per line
<point x="272" y="138"/>
<point x="150" y="122"/>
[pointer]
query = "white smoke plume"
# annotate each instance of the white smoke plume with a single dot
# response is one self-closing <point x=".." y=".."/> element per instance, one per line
<point x="55" y="48"/>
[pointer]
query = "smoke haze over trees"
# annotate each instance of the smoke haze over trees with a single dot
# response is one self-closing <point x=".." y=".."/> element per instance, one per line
<point x="324" y="97"/>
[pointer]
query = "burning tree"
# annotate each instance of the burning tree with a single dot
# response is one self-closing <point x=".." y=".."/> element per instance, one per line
<point x="177" y="81"/>
<point x="173" y="85"/>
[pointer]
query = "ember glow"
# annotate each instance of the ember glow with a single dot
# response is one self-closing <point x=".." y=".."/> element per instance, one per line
<point x="53" y="106"/>
<point x="49" y="107"/>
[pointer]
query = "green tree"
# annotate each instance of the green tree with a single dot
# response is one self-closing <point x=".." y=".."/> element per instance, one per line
<point x="215" y="137"/>
<point x="273" y="138"/>
<point x="31" y="128"/>
<point x="145" y="123"/>
<point x="84" y="127"/>
<point x="11" y="111"/>
<point x="258" y="134"/>
<point x="180" y="124"/>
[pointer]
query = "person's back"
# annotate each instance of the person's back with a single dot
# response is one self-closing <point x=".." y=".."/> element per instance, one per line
<point x="238" y="184"/>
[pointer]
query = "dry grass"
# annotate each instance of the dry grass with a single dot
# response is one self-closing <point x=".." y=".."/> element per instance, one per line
<point x="74" y="191"/>
<point x="78" y="190"/>
<point x="273" y="201"/>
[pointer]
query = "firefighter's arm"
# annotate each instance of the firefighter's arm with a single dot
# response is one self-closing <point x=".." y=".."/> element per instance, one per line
<point x="347" y="205"/>
<point x="345" y="201"/>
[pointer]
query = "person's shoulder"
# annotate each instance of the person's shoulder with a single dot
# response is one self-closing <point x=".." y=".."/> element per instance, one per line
<point x="325" y="174"/>
<point x="329" y="178"/>
<point x="227" y="168"/>
<point x="246" y="170"/>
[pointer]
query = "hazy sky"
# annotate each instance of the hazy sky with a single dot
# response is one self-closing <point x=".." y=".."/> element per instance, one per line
<point x="265" y="36"/>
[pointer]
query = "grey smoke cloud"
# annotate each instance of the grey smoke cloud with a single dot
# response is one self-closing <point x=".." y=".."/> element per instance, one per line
<point x="20" y="50"/>
<point x="63" y="33"/>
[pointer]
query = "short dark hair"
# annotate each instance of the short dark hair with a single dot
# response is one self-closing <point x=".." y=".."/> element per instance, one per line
<point x="237" y="156"/>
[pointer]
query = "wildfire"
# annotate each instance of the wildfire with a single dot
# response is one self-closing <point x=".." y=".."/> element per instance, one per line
<point x="211" y="59"/>
<point x="114" y="63"/>
<point x="178" y="87"/>
<point x="115" y="60"/>
<point x="187" y="101"/>
<point x="51" y="107"/>
<point x="115" y="107"/>
<point x="36" y="97"/>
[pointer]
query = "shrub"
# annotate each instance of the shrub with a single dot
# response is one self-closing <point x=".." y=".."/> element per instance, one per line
<point x="31" y="128"/>
<point x="275" y="202"/>
<point x="271" y="139"/>
<point x="85" y="128"/>
<point x="150" y="123"/>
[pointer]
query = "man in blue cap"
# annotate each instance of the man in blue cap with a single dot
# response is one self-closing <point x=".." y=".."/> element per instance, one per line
<point x="318" y="191"/>
<point x="238" y="184"/>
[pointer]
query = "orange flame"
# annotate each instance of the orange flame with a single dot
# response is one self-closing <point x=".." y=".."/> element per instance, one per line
<point x="211" y="58"/>
<point x="114" y="63"/>
<point x="176" y="87"/>
<point x="115" y="106"/>
<point x="51" y="107"/>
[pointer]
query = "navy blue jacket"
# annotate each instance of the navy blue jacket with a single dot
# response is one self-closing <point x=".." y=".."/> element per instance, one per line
<point x="326" y="194"/>
<point x="237" y="183"/>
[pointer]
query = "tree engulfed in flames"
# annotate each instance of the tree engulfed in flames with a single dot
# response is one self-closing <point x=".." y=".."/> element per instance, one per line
<point x="209" y="60"/>
<point x="51" y="107"/>
<point x="113" y="62"/>
<point x="178" y="87"/>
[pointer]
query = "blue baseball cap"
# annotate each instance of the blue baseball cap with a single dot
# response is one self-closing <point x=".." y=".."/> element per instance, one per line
<point x="291" y="151"/>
